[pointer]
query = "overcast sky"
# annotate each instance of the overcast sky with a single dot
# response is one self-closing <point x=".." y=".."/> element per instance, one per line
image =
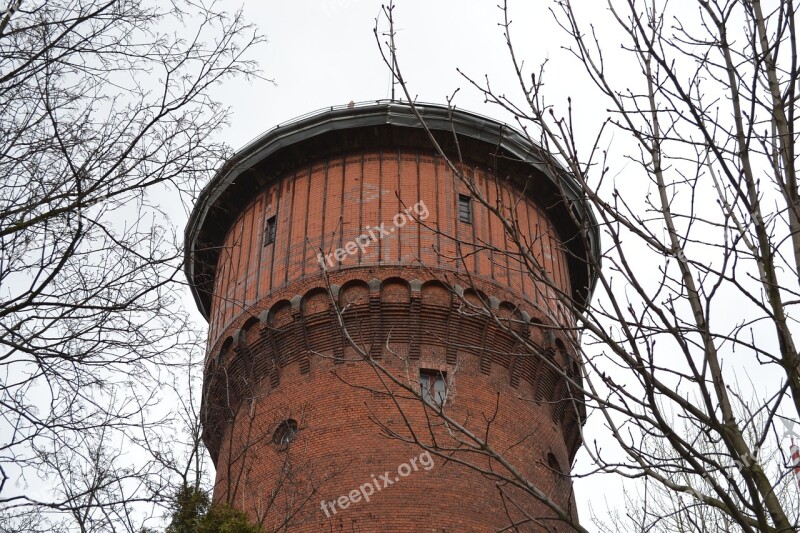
<point x="324" y="53"/>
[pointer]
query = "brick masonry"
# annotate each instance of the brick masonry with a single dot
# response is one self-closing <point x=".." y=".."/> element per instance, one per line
<point x="276" y="352"/>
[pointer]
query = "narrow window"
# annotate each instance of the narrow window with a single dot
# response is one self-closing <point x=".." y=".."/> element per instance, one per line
<point x="433" y="386"/>
<point x="465" y="208"/>
<point x="269" y="231"/>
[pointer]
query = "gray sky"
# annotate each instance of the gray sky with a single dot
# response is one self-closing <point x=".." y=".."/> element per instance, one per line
<point x="325" y="53"/>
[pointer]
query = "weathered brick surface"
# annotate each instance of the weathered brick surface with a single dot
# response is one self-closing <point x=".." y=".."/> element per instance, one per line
<point x="324" y="206"/>
<point x="276" y="352"/>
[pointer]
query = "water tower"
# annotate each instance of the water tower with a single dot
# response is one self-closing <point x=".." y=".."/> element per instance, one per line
<point x="297" y="423"/>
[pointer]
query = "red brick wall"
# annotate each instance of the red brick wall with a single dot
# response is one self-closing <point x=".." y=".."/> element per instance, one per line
<point x="331" y="203"/>
<point x="275" y="352"/>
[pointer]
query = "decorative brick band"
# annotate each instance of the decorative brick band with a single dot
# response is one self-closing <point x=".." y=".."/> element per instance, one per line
<point x="414" y="319"/>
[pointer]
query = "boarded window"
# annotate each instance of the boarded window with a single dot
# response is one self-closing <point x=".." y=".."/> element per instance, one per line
<point x="269" y="231"/>
<point x="465" y="208"/>
<point x="433" y="385"/>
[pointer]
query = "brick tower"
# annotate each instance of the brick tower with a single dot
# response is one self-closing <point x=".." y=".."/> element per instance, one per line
<point x="300" y="427"/>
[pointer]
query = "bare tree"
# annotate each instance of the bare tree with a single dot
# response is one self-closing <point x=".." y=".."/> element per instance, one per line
<point x="107" y="121"/>
<point x="689" y="362"/>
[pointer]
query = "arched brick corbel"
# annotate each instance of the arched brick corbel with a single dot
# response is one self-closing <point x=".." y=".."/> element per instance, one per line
<point x="274" y="364"/>
<point x="376" y="318"/>
<point x="519" y="347"/>
<point x="489" y="334"/>
<point x="416" y="328"/>
<point x="452" y="325"/>
<point x="242" y="351"/>
<point x="299" y="329"/>
<point x="338" y="348"/>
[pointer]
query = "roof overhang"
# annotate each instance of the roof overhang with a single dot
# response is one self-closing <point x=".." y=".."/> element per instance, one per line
<point x="382" y="124"/>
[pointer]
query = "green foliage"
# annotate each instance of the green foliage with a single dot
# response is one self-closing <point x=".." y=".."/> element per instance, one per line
<point x="189" y="506"/>
<point x="192" y="513"/>
<point x="224" y="519"/>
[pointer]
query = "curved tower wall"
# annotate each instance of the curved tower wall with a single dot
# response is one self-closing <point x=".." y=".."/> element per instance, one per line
<point x="321" y="207"/>
<point x="366" y="182"/>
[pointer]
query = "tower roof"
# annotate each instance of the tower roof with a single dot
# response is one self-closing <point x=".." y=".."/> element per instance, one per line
<point x="381" y="125"/>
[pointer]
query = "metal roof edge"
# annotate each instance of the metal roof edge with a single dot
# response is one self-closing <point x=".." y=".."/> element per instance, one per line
<point x="437" y="117"/>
